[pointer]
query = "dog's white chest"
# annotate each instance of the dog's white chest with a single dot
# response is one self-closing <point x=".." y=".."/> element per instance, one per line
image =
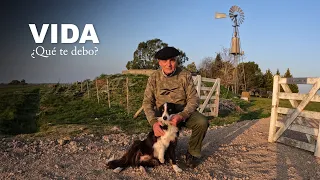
<point x="164" y="141"/>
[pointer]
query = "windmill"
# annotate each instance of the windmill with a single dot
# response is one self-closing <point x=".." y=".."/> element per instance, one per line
<point x="237" y="17"/>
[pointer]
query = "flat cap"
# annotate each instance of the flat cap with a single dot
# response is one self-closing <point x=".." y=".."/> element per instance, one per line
<point x="167" y="53"/>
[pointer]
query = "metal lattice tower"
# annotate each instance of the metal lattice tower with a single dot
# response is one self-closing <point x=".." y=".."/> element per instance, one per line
<point x="237" y="17"/>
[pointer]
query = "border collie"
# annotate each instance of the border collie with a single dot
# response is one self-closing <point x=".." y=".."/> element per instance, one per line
<point x="153" y="150"/>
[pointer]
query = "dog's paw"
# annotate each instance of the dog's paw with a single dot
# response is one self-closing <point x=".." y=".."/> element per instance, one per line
<point x="176" y="168"/>
<point x="117" y="170"/>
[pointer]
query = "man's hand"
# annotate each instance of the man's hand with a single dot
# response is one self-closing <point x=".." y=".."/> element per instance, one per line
<point x="157" y="129"/>
<point x="176" y="119"/>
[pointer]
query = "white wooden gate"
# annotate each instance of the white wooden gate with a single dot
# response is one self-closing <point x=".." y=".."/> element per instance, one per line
<point x="295" y="118"/>
<point x="208" y="94"/>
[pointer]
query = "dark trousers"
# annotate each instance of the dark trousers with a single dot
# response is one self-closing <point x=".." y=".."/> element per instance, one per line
<point x="199" y="124"/>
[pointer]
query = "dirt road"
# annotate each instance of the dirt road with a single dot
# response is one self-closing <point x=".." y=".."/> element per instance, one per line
<point x="237" y="151"/>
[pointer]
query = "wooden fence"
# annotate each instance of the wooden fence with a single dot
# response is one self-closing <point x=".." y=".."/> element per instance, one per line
<point x="296" y="118"/>
<point x="210" y="95"/>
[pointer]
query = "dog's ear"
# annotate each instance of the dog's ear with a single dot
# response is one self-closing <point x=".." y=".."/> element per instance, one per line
<point x="171" y="108"/>
<point x="161" y="109"/>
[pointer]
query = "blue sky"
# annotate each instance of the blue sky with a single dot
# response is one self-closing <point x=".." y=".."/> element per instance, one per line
<point x="275" y="34"/>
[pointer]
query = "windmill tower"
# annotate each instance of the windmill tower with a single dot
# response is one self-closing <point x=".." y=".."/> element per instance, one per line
<point x="237" y="17"/>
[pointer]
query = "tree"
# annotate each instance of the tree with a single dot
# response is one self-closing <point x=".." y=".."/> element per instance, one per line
<point x="294" y="87"/>
<point x="14" y="82"/>
<point x="253" y="75"/>
<point x="23" y="82"/>
<point x="205" y="67"/>
<point x="217" y="66"/>
<point x="228" y="66"/>
<point x="278" y="72"/>
<point x="192" y="67"/>
<point x="143" y="57"/>
<point x="268" y="80"/>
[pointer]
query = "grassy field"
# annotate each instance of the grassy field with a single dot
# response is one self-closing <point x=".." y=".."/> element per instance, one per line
<point x="42" y="110"/>
<point x="256" y="109"/>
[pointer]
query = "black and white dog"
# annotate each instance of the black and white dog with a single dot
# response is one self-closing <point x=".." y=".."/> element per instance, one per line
<point x="153" y="150"/>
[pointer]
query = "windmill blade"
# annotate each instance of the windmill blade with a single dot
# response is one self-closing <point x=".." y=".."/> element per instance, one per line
<point x="236" y="14"/>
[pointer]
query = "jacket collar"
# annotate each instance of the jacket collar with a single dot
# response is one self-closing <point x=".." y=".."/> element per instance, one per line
<point x="169" y="75"/>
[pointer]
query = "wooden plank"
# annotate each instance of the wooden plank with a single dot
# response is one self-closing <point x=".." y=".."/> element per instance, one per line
<point x="209" y="96"/>
<point x="199" y="85"/>
<point x="208" y="79"/>
<point x="208" y="113"/>
<point x="298" y="80"/>
<point x="138" y="112"/>
<point x="205" y="97"/>
<point x="304" y="113"/>
<point x="208" y="106"/>
<point x="195" y="80"/>
<point x="301" y="106"/>
<point x="300" y="128"/>
<point x="216" y="101"/>
<point x="287" y="89"/>
<point x="296" y="143"/>
<point x="317" y="148"/>
<point x="203" y="88"/>
<point x="297" y="96"/>
<point x="275" y="104"/>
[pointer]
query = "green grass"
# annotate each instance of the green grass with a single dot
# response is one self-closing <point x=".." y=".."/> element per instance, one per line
<point x="257" y="108"/>
<point x="40" y="110"/>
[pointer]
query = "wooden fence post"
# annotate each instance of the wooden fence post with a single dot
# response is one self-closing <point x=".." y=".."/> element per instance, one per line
<point x="274" y="109"/>
<point x="108" y="93"/>
<point x="97" y="90"/>
<point x="88" y="89"/>
<point x="127" y="86"/>
<point x="199" y="85"/>
<point x="216" y="101"/>
<point x="317" y="149"/>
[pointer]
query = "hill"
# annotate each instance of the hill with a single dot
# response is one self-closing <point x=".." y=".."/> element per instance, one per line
<point x="55" y="109"/>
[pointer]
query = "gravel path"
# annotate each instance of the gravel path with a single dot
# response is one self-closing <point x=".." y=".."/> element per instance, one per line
<point x="237" y="151"/>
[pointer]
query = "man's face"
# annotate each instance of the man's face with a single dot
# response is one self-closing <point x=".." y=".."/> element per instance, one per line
<point x="168" y="66"/>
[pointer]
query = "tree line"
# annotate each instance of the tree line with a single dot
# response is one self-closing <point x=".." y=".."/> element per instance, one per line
<point x="223" y="66"/>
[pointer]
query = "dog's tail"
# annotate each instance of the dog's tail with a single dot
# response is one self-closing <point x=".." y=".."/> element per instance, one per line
<point x="130" y="158"/>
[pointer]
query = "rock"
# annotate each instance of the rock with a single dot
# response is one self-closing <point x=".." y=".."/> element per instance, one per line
<point x="63" y="140"/>
<point x="106" y="138"/>
<point x="115" y="128"/>
<point x="244" y="149"/>
<point x="73" y="146"/>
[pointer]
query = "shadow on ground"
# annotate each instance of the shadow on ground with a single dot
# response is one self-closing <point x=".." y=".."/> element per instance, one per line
<point x="214" y="139"/>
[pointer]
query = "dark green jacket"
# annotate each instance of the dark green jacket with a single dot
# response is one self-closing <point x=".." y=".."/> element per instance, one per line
<point x="178" y="89"/>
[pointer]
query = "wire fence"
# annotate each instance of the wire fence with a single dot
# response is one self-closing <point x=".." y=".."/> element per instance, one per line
<point x="22" y="105"/>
